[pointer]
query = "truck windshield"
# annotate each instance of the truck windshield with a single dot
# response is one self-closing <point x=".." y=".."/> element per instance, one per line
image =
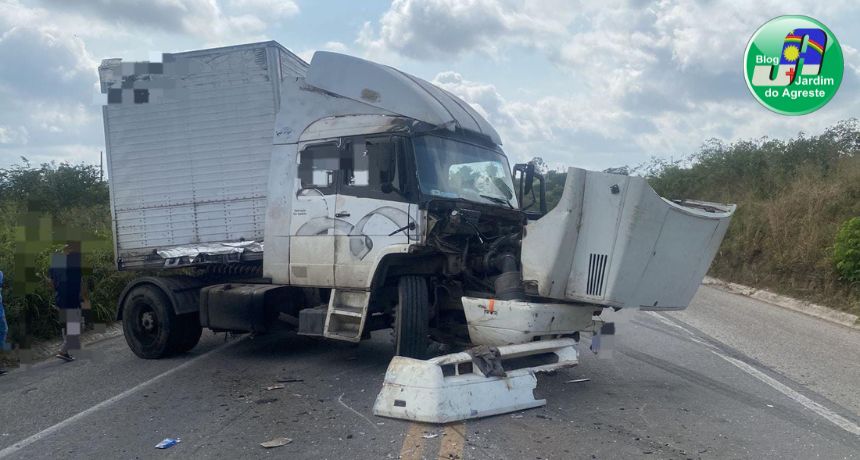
<point x="453" y="169"/>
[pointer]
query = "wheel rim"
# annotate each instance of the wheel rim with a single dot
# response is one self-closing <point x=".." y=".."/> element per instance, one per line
<point x="146" y="326"/>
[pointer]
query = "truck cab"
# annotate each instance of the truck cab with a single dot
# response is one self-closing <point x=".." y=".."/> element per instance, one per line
<point x="379" y="216"/>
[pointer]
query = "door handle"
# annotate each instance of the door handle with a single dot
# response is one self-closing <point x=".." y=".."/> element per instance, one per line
<point x="342" y="214"/>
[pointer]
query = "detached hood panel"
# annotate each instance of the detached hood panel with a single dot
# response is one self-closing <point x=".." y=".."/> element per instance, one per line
<point x="394" y="91"/>
<point x="612" y="241"/>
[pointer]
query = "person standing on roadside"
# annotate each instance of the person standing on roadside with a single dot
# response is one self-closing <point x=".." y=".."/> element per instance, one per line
<point x="4" y="328"/>
<point x="67" y="280"/>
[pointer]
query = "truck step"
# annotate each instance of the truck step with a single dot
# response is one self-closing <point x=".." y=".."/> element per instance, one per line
<point x="348" y="311"/>
<point x="346" y="315"/>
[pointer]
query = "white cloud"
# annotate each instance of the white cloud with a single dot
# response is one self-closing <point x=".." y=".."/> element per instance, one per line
<point x="548" y="124"/>
<point x="48" y="77"/>
<point x="13" y="135"/>
<point x="277" y="8"/>
<point x="46" y="83"/>
<point x="242" y="21"/>
<point x="432" y="29"/>
<point x="651" y="78"/>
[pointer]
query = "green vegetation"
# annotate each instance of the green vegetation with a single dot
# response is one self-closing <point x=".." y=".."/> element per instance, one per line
<point x="846" y="251"/>
<point x="793" y="197"/>
<point x="40" y="208"/>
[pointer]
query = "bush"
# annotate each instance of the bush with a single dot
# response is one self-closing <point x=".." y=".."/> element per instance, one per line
<point x="40" y="207"/>
<point x="846" y="251"/>
<point x="793" y="196"/>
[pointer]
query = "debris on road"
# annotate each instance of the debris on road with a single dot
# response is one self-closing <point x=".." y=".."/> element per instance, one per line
<point x="275" y="387"/>
<point x="421" y="391"/>
<point x="276" y="442"/>
<point x="289" y="380"/>
<point x="167" y="443"/>
<point x="430" y="436"/>
<point x="577" y="380"/>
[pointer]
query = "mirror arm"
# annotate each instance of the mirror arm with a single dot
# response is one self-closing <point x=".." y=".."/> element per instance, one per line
<point x="542" y="192"/>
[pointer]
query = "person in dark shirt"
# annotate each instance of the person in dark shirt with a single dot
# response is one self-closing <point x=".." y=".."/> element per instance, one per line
<point x="67" y="280"/>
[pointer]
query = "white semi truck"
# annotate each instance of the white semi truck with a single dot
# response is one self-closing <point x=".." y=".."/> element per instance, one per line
<point x="345" y="196"/>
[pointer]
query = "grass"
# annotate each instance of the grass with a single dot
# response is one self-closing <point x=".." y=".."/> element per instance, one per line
<point x="792" y="198"/>
<point x="40" y="208"/>
<point x="784" y="242"/>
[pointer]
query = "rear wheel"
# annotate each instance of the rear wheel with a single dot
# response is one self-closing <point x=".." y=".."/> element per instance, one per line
<point x="411" y="322"/>
<point x="149" y="324"/>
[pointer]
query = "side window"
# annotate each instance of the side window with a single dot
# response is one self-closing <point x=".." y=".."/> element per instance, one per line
<point x="318" y="165"/>
<point x="372" y="166"/>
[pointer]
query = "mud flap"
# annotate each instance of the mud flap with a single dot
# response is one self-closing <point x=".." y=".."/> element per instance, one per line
<point x="450" y="388"/>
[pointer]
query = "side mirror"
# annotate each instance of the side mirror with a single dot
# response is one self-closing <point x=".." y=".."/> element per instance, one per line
<point x="529" y="177"/>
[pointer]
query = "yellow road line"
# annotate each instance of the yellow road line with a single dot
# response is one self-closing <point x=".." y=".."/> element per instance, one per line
<point x="453" y="441"/>
<point x="413" y="443"/>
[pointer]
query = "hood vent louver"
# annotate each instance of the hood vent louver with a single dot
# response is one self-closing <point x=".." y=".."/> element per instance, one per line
<point x="596" y="274"/>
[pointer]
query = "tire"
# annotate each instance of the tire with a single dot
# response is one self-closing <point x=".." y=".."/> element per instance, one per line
<point x="150" y="326"/>
<point x="412" y="319"/>
<point x="188" y="332"/>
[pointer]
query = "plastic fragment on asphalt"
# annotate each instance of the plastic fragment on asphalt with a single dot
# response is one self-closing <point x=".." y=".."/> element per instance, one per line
<point x="430" y="436"/>
<point x="289" y="380"/>
<point x="167" y="443"/>
<point x="577" y="380"/>
<point x="276" y="442"/>
<point x="422" y="391"/>
<point x="275" y="387"/>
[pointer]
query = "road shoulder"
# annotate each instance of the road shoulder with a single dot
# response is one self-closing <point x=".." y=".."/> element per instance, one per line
<point x="789" y="303"/>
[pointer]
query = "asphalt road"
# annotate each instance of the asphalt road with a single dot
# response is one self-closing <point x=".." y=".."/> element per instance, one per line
<point x="728" y="378"/>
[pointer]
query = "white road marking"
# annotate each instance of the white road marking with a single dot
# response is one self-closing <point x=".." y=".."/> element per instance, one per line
<point x="822" y="411"/>
<point x="80" y="415"/>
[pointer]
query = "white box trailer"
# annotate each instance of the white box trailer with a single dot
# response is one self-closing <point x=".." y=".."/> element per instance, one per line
<point x="189" y="143"/>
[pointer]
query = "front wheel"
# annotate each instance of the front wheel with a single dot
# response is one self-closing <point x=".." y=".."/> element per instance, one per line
<point x="411" y="322"/>
<point x="148" y="322"/>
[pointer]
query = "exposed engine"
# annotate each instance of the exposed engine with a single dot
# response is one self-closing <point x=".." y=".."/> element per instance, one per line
<point x="481" y="245"/>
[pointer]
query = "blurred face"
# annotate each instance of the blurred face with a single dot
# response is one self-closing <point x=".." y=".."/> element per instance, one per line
<point x="72" y="247"/>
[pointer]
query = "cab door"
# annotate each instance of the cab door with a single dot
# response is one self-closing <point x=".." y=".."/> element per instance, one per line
<point x="372" y="202"/>
<point x="313" y="224"/>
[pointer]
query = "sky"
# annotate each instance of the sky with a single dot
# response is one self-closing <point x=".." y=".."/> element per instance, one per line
<point x="587" y="84"/>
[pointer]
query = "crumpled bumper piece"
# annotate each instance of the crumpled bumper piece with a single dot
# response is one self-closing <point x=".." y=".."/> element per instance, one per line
<point x="449" y="388"/>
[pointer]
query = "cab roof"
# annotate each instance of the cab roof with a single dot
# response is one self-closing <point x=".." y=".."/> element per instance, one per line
<point x="394" y="91"/>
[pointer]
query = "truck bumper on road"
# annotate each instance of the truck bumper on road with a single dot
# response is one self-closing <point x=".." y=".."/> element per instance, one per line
<point x="425" y="391"/>
<point x="505" y="322"/>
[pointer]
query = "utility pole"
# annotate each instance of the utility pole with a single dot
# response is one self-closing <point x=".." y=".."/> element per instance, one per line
<point x="101" y="166"/>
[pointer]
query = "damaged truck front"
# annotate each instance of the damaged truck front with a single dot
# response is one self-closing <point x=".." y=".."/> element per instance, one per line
<point x="345" y="196"/>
